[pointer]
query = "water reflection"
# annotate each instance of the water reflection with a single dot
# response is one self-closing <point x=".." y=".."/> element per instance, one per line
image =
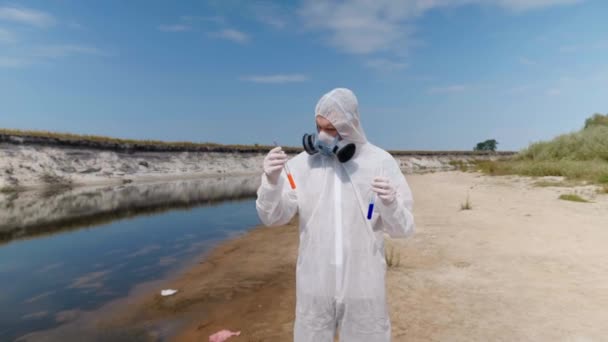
<point x="56" y="278"/>
<point x="34" y="213"/>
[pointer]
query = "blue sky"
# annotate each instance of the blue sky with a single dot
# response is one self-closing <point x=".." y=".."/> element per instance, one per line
<point x="428" y="74"/>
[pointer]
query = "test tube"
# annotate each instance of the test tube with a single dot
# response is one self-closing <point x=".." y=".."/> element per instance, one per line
<point x="372" y="201"/>
<point x="370" y="208"/>
<point x="289" y="176"/>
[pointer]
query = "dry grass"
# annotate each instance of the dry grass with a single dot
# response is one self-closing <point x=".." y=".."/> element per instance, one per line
<point x="573" y="198"/>
<point x="544" y="183"/>
<point x="392" y="259"/>
<point x="594" y="171"/>
<point x="460" y="165"/>
<point x="132" y="142"/>
<point x="554" y="183"/>
<point x="117" y="143"/>
<point x="578" y="156"/>
<point x="587" y="144"/>
<point x="10" y="189"/>
<point x="467" y="205"/>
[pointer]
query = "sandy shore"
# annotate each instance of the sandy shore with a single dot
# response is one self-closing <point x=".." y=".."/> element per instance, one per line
<point x="522" y="265"/>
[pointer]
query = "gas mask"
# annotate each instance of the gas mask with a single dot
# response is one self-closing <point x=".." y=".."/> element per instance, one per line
<point x="327" y="145"/>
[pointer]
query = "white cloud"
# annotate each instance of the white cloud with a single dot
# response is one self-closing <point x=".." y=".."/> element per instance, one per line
<point x="359" y="27"/>
<point x="385" y="64"/>
<point x="65" y="50"/>
<point x="27" y="54"/>
<point x="7" y="36"/>
<point x="174" y="28"/>
<point x="372" y="26"/>
<point x="26" y="16"/>
<point x="277" y="79"/>
<point x="456" y="88"/>
<point x="231" y="34"/>
<point x="553" y="92"/>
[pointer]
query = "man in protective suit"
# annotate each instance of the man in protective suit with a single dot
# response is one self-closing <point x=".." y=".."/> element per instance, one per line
<point x="341" y="268"/>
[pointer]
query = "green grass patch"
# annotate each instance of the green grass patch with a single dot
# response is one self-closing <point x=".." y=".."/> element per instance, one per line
<point x="587" y="144"/>
<point x="603" y="179"/>
<point x="544" y="183"/>
<point x="554" y="183"/>
<point x="460" y="165"/>
<point x="594" y="171"/>
<point x="10" y="189"/>
<point x="577" y="156"/>
<point x="495" y="167"/>
<point x="573" y="198"/>
<point x="596" y="120"/>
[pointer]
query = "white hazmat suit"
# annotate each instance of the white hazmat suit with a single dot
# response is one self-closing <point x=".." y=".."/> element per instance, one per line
<point x="340" y="272"/>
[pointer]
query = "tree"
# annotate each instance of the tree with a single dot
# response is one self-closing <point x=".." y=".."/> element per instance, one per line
<point x="488" y="145"/>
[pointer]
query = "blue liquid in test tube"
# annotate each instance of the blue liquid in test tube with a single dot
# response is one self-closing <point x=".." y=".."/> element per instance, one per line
<point x="370" y="209"/>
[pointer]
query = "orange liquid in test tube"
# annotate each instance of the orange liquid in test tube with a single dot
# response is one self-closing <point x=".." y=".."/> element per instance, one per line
<point x="291" y="182"/>
<point x="289" y="176"/>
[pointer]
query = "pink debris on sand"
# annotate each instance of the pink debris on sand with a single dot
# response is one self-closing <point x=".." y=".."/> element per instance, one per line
<point x="223" y="335"/>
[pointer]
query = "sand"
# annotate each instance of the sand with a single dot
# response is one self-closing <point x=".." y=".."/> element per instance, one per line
<point x="522" y="265"/>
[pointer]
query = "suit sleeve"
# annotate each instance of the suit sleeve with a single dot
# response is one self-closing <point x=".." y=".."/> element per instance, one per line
<point x="397" y="218"/>
<point x="276" y="204"/>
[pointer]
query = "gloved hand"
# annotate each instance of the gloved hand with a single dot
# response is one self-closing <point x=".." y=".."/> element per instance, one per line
<point x="273" y="163"/>
<point x="387" y="193"/>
